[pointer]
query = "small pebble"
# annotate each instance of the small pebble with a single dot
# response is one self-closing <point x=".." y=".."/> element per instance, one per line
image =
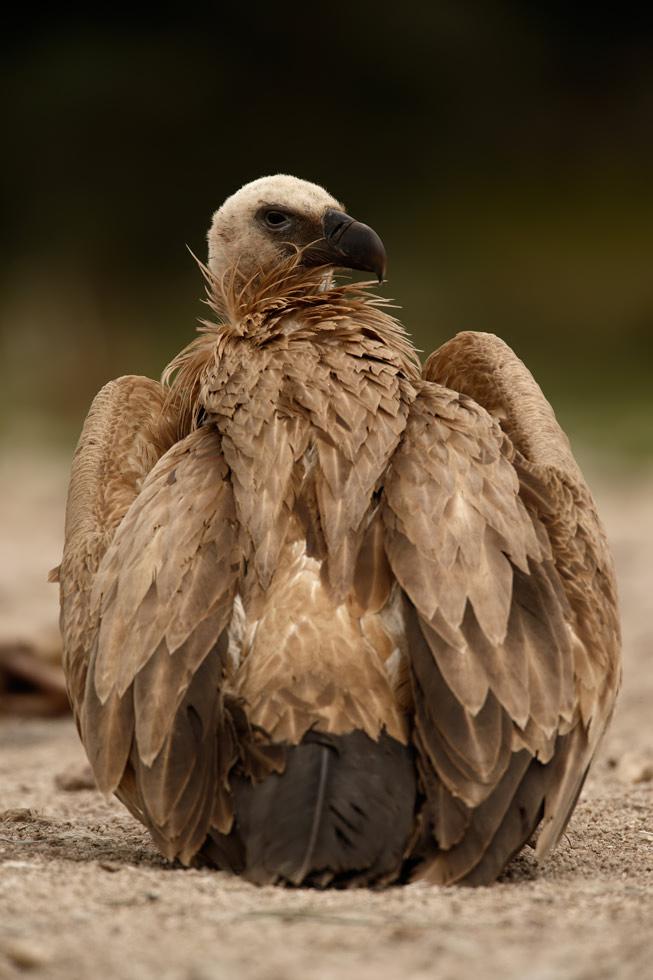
<point x="636" y="767"/>
<point x="74" y="780"/>
<point x="111" y="866"/>
<point x="18" y="815"/>
<point x="24" y="954"/>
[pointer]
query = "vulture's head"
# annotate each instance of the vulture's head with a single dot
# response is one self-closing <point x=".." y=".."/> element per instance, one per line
<point x="265" y="222"/>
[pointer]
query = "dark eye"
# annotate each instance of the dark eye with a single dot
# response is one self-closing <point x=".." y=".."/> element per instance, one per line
<point x="276" y="219"/>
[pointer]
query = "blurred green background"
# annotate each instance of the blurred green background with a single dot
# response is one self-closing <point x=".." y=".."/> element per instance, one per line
<point x="503" y="151"/>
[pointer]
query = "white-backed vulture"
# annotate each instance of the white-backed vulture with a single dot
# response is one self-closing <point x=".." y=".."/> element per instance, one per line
<point x="331" y="618"/>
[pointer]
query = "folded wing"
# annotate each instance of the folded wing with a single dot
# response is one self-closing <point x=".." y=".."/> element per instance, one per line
<point x="130" y="425"/>
<point x="514" y="642"/>
<point x="163" y="595"/>
<point x="147" y="582"/>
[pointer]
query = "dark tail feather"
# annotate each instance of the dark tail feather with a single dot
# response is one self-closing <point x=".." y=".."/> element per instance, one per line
<point x="341" y="813"/>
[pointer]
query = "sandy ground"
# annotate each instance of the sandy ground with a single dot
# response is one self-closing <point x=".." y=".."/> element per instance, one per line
<point x="83" y="893"/>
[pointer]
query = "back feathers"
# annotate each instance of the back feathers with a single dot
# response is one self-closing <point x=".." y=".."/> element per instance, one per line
<point x="326" y="619"/>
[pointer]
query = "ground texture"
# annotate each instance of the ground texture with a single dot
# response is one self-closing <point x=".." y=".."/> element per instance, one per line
<point x="84" y="894"/>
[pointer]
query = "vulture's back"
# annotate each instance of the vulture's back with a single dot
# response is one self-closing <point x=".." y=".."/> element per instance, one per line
<point x="397" y="617"/>
<point x="318" y="638"/>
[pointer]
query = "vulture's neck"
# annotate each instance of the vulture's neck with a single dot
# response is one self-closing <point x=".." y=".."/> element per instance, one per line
<point x="285" y="303"/>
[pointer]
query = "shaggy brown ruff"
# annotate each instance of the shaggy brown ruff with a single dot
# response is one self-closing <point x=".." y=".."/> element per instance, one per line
<point x="254" y="308"/>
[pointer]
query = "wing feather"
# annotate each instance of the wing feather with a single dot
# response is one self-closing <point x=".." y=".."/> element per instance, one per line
<point x="497" y="650"/>
<point x="556" y="495"/>
<point x="163" y="596"/>
<point x="130" y="425"/>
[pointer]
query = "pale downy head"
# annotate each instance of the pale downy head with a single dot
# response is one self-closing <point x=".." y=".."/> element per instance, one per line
<point x="259" y="226"/>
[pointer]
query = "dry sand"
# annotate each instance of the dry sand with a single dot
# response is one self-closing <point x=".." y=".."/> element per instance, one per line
<point x="84" y="894"/>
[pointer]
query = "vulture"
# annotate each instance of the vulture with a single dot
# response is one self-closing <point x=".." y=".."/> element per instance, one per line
<point x="331" y="617"/>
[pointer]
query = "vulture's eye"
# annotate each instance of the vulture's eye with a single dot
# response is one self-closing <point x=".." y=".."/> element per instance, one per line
<point x="277" y="219"/>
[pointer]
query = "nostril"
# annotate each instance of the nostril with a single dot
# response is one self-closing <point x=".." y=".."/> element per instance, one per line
<point x="335" y="224"/>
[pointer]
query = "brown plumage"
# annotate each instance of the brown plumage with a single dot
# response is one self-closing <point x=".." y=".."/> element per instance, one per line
<point x="330" y="618"/>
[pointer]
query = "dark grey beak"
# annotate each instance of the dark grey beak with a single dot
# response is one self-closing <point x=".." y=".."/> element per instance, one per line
<point x="348" y="244"/>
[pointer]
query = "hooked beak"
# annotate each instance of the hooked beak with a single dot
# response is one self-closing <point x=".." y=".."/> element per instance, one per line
<point x="348" y="244"/>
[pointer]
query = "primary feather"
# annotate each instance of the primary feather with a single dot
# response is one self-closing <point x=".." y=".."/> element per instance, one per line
<point x="329" y="618"/>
